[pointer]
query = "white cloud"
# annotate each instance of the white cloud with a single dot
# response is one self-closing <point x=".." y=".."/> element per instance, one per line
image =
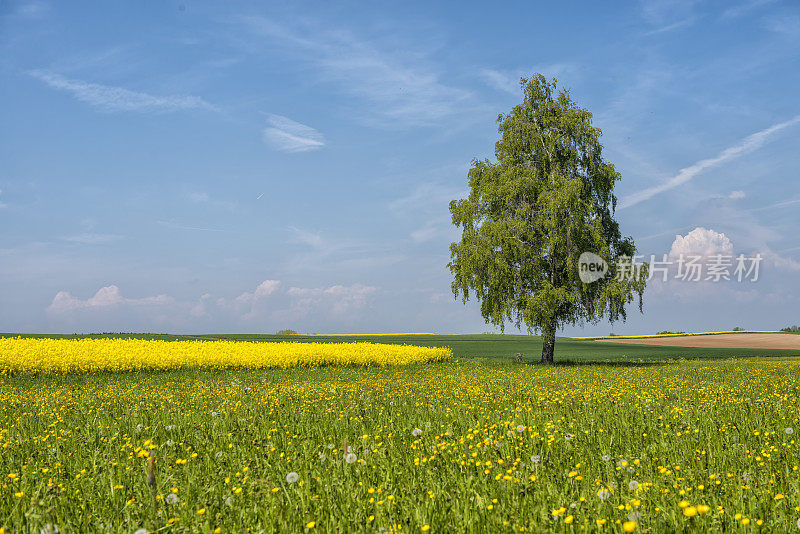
<point x="400" y="89"/>
<point x="305" y="237"/>
<point x="737" y="195"/>
<point x="109" y="98"/>
<point x="2" y="204"/>
<point x="252" y="304"/>
<point x="106" y="297"/>
<point x="199" y="309"/>
<point x="289" y="136"/>
<point x="88" y="238"/>
<point x="264" y="289"/>
<point x="428" y="195"/>
<point x="508" y="81"/>
<point x="745" y="8"/>
<point x="33" y="10"/>
<point x="664" y="13"/>
<point x="428" y="201"/>
<point x="172" y="224"/>
<point x="198" y="196"/>
<point x="338" y="299"/>
<point x="701" y="242"/>
<point x="748" y="144"/>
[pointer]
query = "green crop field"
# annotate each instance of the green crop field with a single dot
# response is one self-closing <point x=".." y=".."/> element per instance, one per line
<point x="484" y="346"/>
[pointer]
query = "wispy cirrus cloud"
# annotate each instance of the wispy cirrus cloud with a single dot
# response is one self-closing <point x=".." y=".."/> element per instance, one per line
<point x="748" y="144"/>
<point x="745" y="8"/>
<point x="287" y="135"/>
<point x="91" y="238"/>
<point x="114" y="99"/>
<point x="508" y="81"/>
<point x="403" y="89"/>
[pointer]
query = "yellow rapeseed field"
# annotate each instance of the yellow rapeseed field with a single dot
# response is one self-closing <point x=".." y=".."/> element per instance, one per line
<point x="88" y="355"/>
<point x="682" y="334"/>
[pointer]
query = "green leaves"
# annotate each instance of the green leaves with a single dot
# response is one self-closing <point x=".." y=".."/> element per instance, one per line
<point x="529" y="215"/>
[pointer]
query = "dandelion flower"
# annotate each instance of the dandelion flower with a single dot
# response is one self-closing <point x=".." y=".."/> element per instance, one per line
<point x="605" y="457"/>
<point x="629" y="526"/>
<point x="417" y="432"/>
<point x="172" y="499"/>
<point x="603" y="494"/>
<point x="350" y="458"/>
<point x="292" y="477"/>
<point x="633" y="485"/>
<point x="789" y="431"/>
<point x="535" y="458"/>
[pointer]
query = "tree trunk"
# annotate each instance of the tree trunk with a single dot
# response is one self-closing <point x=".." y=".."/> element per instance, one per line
<point x="548" y="343"/>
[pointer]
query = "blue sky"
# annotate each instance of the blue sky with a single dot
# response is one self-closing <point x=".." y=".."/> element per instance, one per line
<point x="219" y="167"/>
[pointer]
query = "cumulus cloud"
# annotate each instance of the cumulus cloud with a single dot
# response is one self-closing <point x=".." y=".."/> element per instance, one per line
<point x="737" y="195"/>
<point x="267" y="306"/>
<point x="337" y="299"/>
<point x="286" y="135"/>
<point x="106" y="297"/>
<point x="701" y="242"/>
<point x="2" y="204"/>
<point x="264" y="289"/>
<point x="199" y="309"/>
<point x="252" y="303"/>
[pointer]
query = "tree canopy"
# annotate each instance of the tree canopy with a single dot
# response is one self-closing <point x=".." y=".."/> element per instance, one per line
<point x="531" y="214"/>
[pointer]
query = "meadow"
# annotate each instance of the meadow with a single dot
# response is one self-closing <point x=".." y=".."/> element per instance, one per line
<point x="627" y="442"/>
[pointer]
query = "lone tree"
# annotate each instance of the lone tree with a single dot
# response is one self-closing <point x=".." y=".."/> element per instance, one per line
<point x="529" y="217"/>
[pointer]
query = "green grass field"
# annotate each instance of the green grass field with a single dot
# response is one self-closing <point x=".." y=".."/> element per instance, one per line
<point x="676" y="440"/>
